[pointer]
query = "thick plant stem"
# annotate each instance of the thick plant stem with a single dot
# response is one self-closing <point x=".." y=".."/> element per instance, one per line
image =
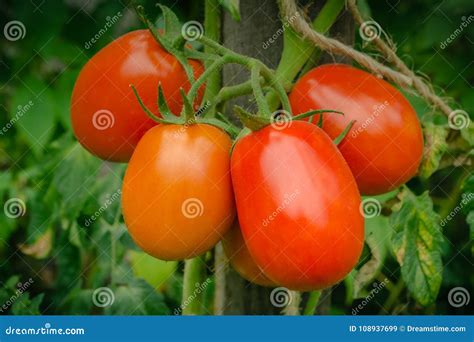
<point x="297" y="51"/>
<point x="212" y="28"/>
<point x="393" y="297"/>
<point x="248" y="62"/>
<point x="312" y="303"/>
<point x="293" y="307"/>
<point x="194" y="277"/>
<point x="220" y="265"/>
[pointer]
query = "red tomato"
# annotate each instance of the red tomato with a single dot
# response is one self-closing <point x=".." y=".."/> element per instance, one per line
<point x="385" y="145"/>
<point x="106" y="117"/>
<point x="298" y="206"/>
<point x="177" y="195"/>
<point x="240" y="258"/>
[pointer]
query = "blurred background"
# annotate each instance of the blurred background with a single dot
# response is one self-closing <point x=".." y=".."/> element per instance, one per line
<point x="54" y="257"/>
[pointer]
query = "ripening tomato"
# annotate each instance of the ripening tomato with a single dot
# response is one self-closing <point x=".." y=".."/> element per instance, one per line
<point x="177" y="197"/>
<point x="240" y="258"/>
<point x="298" y="205"/>
<point x="385" y="145"/>
<point x="106" y="116"/>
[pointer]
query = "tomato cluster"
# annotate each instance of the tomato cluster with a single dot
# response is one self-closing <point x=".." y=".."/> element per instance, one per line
<point x="296" y="193"/>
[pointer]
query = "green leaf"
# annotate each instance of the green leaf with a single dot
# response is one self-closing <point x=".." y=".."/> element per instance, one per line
<point x="74" y="177"/>
<point x="33" y="111"/>
<point x="377" y="237"/>
<point x="467" y="134"/>
<point x="172" y="24"/>
<point x="40" y="216"/>
<point x="232" y="6"/>
<point x="470" y="222"/>
<point x="416" y="242"/>
<point x="137" y="298"/>
<point x="26" y="306"/>
<point x="435" y="147"/>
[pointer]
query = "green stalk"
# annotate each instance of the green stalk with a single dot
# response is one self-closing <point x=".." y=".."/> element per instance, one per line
<point x="194" y="277"/>
<point x="258" y="91"/>
<point x="393" y="297"/>
<point x="208" y="74"/>
<point x="296" y="51"/>
<point x="249" y="63"/>
<point x="312" y="303"/>
<point x="212" y="28"/>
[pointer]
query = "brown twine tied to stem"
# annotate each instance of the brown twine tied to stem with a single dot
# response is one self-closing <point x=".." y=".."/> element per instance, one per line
<point x="404" y="78"/>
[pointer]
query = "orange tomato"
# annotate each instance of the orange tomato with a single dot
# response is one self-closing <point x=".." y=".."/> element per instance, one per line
<point x="177" y="195"/>
<point x="240" y="258"/>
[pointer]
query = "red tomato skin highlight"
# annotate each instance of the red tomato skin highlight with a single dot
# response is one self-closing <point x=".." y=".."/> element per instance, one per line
<point x="106" y="116"/>
<point x="385" y="146"/>
<point x="298" y="206"/>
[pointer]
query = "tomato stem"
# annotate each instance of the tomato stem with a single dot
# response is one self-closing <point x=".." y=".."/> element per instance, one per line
<point x="209" y="72"/>
<point x="296" y="51"/>
<point x="194" y="278"/>
<point x="212" y="27"/>
<point x="253" y="122"/>
<point x="293" y="307"/>
<point x="258" y="92"/>
<point x="343" y="134"/>
<point x="312" y="303"/>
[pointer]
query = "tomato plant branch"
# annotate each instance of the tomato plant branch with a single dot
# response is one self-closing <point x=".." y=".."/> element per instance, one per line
<point x="194" y="277"/>
<point x="249" y="62"/>
<point x="170" y="46"/>
<point x="212" y="27"/>
<point x="388" y="51"/>
<point x="293" y="307"/>
<point x="393" y="297"/>
<point x="409" y="81"/>
<point x="258" y="92"/>
<point x="209" y="72"/>
<point x="296" y="51"/>
<point x="312" y="303"/>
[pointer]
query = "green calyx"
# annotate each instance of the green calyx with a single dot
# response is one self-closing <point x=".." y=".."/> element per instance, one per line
<point x="187" y="117"/>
